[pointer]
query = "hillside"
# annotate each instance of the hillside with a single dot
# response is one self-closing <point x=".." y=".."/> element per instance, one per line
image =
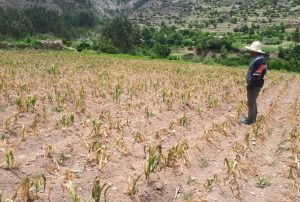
<point x="100" y="6"/>
<point x="152" y="130"/>
<point x="212" y="15"/>
<point x="217" y="15"/>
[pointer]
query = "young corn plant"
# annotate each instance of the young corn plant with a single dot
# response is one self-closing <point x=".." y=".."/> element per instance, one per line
<point x="121" y="146"/>
<point x="37" y="181"/>
<point x="183" y="121"/>
<point x="256" y="130"/>
<point x="210" y="183"/>
<point x="238" y="147"/>
<point x="164" y="94"/>
<point x="11" y="163"/>
<point x="116" y="94"/>
<point x="138" y="136"/>
<point x="72" y="192"/>
<point x="22" y="133"/>
<point x="34" y="125"/>
<point x="7" y="124"/>
<point x="97" y="190"/>
<point x="169" y="103"/>
<point x="231" y="166"/>
<point x="96" y="128"/>
<point x="179" y="151"/>
<point x="262" y="182"/>
<point x="30" y="103"/>
<point x="209" y="137"/>
<point x="148" y="113"/>
<point x="25" y="189"/>
<point x="155" y="158"/>
<point x="48" y="151"/>
<point x="212" y="102"/>
<point x="28" y="184"/>
<point x="220" y="128"/>
<point x="131" y="189"/>
<point x="101" y="154"/>
<point x="19" y="104"/>
<point x="66" y="120"/>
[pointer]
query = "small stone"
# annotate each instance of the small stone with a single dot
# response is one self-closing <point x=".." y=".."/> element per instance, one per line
<point x="253" y="193"/>
<point x="159" y="186"/>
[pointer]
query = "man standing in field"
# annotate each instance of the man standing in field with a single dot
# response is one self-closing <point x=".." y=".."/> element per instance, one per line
<point x="255" y="80"/>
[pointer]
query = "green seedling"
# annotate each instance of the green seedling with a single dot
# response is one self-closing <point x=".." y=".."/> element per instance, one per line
<point x="97" y="190"/>
<point x="149" y="166"/>
<point x="210" y="183"/>
<point x="212" y="102"/>
<point x="28" y="184"/>
<point x="19" y="104"/>
<point x="96" y="127"/>
<point x="148" y="113"/>
<point x="164" y="94"/>
<point x="11" y="163"/>
<point x="67" y="120"/>
<point x="204" y="162"/>
<point x="72" y="192"/>
<point x="53" y="71"/>
<point x="37" y="181"/>
<point x="117" y="92"/>
<point x="190" y="180"/>
<point x="231" y="167"/>
<point x="262" y="182"/>
<point x="154" y="159"/>
<point x="30" y="103"/>
<point x="3" y="135"/>
<point x="183" y="121"/>
<point x="49" y="98"/>
<point x="57" y="109"/>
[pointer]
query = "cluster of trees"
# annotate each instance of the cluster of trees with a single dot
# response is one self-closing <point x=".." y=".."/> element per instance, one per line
<point x="18" y="24"/>
<point x="120" y="35"/>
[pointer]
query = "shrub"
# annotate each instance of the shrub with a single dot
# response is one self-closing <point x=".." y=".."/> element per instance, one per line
<point x="161" y="51"/>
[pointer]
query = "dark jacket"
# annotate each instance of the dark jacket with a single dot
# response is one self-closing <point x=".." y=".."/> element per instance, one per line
<point x="256" y="72"/>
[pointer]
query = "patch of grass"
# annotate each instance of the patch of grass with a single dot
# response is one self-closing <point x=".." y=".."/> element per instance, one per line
<point x="262" y="182"/>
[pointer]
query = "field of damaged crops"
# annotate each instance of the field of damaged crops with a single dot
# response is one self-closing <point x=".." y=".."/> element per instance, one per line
<point x="89" y="127"/>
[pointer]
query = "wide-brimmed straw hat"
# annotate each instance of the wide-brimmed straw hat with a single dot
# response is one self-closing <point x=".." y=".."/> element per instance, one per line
<point x="255" y="47"/>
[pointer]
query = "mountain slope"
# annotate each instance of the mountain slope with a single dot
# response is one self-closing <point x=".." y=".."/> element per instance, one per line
<point x="215" y="13"/>
<point x="100" y="6"/>
<point x="209" y="14"/>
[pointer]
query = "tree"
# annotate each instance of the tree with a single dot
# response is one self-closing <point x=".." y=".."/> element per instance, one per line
<point x="296" y="35"/>
<point x="122" y="33"/>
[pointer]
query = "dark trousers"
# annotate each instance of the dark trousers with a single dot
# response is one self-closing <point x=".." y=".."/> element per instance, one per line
<point x="252" y="95"/>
